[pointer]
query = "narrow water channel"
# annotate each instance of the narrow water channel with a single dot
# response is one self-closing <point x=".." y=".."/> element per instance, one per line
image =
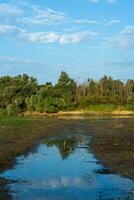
<point x="63" y="167"/>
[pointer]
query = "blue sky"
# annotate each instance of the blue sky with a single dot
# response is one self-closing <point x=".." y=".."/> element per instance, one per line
<point x="86" y="38"/>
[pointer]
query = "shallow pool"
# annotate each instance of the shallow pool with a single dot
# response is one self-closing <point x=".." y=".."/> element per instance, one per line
<point x="63" y="167"/>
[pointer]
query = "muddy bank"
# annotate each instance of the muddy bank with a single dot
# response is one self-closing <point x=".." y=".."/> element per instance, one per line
<point x="113" y="144"/>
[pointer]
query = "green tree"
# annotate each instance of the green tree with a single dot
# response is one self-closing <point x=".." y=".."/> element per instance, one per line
<point x="66" y="89"/>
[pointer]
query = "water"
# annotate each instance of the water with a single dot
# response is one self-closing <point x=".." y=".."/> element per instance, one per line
<point x="63" y="167"/>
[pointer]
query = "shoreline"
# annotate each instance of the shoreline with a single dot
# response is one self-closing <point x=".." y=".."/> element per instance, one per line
<point x="82" y="113"/>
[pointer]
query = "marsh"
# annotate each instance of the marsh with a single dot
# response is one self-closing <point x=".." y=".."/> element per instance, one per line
<point x="81" y="158"/>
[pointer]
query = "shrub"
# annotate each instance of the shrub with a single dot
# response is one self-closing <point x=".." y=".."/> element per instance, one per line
<point x="12" y="109"/>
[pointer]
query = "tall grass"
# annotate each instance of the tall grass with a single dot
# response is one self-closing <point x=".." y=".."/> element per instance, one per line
<point x="105" y="107"/>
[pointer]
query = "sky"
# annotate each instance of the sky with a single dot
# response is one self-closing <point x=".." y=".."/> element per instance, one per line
<point x="85" y="38"/>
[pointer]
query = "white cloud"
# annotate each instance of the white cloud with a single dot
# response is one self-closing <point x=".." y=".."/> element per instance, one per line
<point x="44" y="16"/>
<point x="10" y="31"/>
<point x="129" y="30"/>
<point x="30" y="14"/>
<point x="85" y="21"/>
<point x="36" y="15"/>
<point x="112" y="22"/>
<point x="124" y="39"/>
<point x="62" y="182"/>
<point x="41" y="37"/>
<point x="76" y="37"/>
<point x="5" y="29"/>
<point x="7" y="11"/>
<point x="52" y="37"/>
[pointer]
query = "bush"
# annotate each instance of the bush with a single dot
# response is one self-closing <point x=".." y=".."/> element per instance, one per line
<point x="12" y="109"/>
<point x="130" y="107"/>
<point x="50" y="105"/>
<point x="2" y="111"/>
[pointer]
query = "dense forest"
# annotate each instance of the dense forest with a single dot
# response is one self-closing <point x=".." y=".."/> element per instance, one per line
<point x="23" y="93"/>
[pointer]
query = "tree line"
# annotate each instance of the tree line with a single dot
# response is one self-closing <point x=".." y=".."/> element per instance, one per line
<point x="23" y="93"/>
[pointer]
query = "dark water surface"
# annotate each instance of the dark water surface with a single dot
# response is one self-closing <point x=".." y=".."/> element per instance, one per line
<point x="64" y="168"/>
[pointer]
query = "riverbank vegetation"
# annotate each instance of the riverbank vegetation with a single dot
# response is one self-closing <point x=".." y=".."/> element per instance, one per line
<point x="22" y="94"/>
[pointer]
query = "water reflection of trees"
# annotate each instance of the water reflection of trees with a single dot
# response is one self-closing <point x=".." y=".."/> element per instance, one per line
<point x="66" y="146"/>
<point x="5" y="193"/>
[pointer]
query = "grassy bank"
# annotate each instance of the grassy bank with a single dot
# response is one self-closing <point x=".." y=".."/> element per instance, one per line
<point x="100" y="109"/>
